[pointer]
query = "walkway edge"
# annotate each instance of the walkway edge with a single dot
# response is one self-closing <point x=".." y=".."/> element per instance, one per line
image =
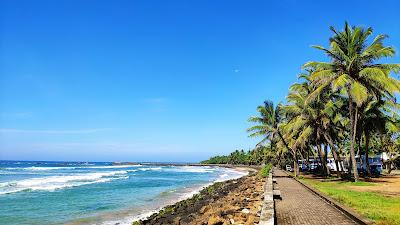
<point x="346" y="210"/>
<point x="267" y="216"/>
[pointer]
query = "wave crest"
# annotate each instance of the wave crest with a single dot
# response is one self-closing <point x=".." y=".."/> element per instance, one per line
<point x="52" y="183"/>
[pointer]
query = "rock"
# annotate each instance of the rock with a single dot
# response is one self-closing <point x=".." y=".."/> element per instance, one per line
<point x="236" y="201"/>
<point x="215" y="220"/>
<point x="250" y="220"/>
<point x="177" y="220"/>
<point x="245" y="211"/>
<point x="204" y="209"/>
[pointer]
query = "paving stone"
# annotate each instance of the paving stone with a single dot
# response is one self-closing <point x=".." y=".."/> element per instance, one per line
<point x="300" y="206"/>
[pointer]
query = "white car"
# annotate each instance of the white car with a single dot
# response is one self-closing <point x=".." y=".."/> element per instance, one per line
<point x="289" y="168"/>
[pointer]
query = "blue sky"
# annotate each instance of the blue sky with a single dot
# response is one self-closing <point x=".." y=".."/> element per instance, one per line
<point x="155" y="80"/>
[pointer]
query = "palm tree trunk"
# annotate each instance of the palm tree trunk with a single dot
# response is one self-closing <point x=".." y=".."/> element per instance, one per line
<point x="337" y="163"/>
<point x="283" y="140"/>
<point x="335" y="155"/>
<point x="328" y="171"/>
<point x="295" y="164"/>
<point x="322" y="160"/>
<point x="308" y="159"/>
<point x="366" y="154"/>
<point x="341" y="163"/>
<point x="353" y="123"/>
<point x="389" y="166"/>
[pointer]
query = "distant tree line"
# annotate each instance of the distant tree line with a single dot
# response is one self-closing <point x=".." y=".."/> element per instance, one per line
<point x="258" y="156"/>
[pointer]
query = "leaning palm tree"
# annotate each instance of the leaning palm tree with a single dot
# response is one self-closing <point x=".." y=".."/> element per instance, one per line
<point x="306" y="121"/>
<point x="354" y="72"/>
<point x="268" y="123"/>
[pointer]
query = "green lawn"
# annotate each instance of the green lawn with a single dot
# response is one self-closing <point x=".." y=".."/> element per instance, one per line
<point x="381" y="209"/>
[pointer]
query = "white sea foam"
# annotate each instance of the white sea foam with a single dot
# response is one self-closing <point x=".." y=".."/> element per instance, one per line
<point x="52" y="183"/>
<point x="150" y="168"/>
<point x="192" y="169"/>
<point x="47" y="168"/>
<point x="231" y="174"/>
<point x="38" y="168"/>
<point x="34" y="168"/>
<point x="129" y="219"/>
<point x="112" y="166"/>
<point x="222" y="176"/>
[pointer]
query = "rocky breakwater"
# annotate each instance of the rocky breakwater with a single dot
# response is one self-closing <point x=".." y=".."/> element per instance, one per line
<point x="231" y="202"/>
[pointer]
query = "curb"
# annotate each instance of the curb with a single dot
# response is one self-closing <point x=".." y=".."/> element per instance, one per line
<point x="344" y="209"/>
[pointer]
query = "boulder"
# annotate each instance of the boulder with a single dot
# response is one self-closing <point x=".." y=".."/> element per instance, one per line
<point x="215" y="220"/>
<point x="245" y="210"/>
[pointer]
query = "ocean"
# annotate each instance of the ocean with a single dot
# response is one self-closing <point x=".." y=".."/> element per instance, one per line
<point x="96" y="193"/>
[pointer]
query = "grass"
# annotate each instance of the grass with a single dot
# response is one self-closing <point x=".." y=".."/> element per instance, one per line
<point x="377" y="207"/>
<point x="264" y="172"/>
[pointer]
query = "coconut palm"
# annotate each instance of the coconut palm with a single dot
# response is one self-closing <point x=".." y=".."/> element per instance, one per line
<point x="354" y="72"/>
<point x="267" y="123"/>
<point x="306" y="121"/>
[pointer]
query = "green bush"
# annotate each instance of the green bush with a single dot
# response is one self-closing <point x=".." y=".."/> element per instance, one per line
<point x="265" y="170"/>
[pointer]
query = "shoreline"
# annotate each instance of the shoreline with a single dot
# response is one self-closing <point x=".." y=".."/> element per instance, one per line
<point x="128" y="216"/>
<point x="132" y="203"/>
<point x="175" y="212"/>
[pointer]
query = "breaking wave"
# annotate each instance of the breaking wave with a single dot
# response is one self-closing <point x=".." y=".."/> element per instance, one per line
<point x="52" y="183"/>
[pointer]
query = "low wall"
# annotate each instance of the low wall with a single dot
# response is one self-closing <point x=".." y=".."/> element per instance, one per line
<point x="267" y="216"/>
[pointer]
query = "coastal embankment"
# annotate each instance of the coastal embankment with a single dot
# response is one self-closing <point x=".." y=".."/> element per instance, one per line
<point x="236" y="201"/>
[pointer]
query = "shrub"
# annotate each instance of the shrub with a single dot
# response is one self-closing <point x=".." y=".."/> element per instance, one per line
<point x="265" y="170"/>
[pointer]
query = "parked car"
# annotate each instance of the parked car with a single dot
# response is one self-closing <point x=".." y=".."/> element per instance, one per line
<point x="375" y="164"/>
<point x="315" y="167"/>
<point x="289" y="168"/>
<point x="303" y="167"/>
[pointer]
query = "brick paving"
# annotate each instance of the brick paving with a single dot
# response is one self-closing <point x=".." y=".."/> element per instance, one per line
<point x="302" y="207"/>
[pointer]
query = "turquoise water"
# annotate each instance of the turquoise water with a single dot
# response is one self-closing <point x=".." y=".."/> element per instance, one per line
<point x="95" y="193"/>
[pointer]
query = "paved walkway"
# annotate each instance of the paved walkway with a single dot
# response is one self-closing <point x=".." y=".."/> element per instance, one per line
<point x="300" y="206"/>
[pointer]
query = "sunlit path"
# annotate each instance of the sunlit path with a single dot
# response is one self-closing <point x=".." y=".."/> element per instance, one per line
<point x="300" y="206"/>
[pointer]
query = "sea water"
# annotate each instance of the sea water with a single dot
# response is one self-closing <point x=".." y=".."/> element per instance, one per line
<point x="96" y="193"/>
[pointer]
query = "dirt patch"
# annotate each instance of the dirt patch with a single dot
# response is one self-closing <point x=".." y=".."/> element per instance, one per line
<point x="388" y="185"/>
<point x="231" y="202"/>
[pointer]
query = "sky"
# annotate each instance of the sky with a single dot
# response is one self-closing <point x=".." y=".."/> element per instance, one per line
<point x="156" y="80"/>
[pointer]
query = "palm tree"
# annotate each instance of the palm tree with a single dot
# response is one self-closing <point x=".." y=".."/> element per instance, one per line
<point x="306" y="121"/>
<point x="390" y="142"/>
<point x="267" y="123"/>
<point x="353" y="72"/>
<point x="389" y="138"/>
